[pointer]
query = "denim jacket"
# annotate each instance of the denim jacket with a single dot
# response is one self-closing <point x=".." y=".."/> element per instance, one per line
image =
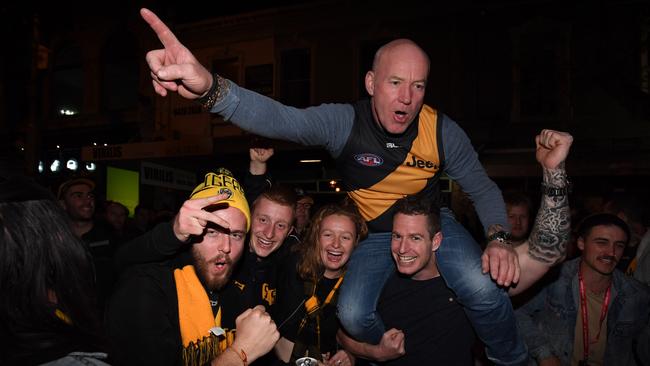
<point x="548" y="320"/>
<point x="80" y="359"/>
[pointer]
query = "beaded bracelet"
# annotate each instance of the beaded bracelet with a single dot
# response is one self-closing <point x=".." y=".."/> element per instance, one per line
<point x="215" y="93"/>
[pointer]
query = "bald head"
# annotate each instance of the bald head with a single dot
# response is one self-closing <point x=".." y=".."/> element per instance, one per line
<point x="399" y="46"/>
<point x="396" y="84"/>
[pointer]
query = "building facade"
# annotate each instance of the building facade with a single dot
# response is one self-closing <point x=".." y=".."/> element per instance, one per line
<point x="503" y="70"/>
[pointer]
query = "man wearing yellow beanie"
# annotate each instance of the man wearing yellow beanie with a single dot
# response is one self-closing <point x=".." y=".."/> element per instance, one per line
<point x="170" y="313"/>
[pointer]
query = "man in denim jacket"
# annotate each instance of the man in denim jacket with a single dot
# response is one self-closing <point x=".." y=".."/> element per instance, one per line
<point x="589" y="287"/>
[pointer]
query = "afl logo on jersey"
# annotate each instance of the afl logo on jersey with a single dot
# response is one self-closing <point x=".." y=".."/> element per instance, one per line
<point x="225" y="191"/>
<point x="368" y="159"/>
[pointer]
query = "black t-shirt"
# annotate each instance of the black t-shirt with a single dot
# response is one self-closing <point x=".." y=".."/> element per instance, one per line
<point x="436" y="330"/>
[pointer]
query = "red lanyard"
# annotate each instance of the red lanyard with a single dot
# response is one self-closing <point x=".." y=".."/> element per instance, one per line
<point x="585" y="318"/>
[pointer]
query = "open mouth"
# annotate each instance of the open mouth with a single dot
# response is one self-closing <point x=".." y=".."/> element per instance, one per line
<point x="221" y="265"/>
<point x="607" y="260"/>
<point x="334" y="255"/>
<point x="400" y="116"/>
<point x="265" y="244"/>
<point x="406" y="259"/>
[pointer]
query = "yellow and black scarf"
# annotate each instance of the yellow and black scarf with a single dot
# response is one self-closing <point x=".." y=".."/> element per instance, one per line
<point x="313" y="310"/>
<point x="196" y="319"/>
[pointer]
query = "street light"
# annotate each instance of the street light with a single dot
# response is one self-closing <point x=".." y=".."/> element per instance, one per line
<point x="72" y="164"/>
<point x="55" y="166"/>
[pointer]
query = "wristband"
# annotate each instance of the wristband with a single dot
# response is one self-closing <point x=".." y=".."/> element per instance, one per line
<point x="214" y="94"/>
<point x="502" y="237"/>
<point x="241" y="354"/>
<point x="557" y="191"/>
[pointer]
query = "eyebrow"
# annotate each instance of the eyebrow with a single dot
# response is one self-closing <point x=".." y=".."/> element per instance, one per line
<point x="82" y="192"/>
<point x="408" y="234"/>
<point x="214" y="226"/>
<point x="217" y="227"/>
<point x="601" y="238"/>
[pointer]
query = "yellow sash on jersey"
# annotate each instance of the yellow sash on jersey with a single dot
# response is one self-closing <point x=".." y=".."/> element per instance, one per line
<point x="410" y="177"/>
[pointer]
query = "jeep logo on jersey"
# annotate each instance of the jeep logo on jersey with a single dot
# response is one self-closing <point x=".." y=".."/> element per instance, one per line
<point x="225" y="191"/>
<point x="418" y="163"/>
<point x="368" y="159"/>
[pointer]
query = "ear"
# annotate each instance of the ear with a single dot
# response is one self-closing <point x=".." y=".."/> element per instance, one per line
<point x="436" y="241"/>
<point x="370" y="82"/>
<point x="581" y="244"/>
<point x="62" y="204"/>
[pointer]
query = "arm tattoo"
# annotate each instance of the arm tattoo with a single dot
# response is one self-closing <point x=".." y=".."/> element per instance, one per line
<point x="550" y="235"/>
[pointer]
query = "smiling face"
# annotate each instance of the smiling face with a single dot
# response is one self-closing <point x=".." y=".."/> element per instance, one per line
<point x="336" y="240"/>
<point x="602" y="248"/>
<point x="397" y="84"/>
<point x="413" y="247"/>
<point x="220" y="249"/>
<point x="270" y="225"/>
<point x="79" y="202"/>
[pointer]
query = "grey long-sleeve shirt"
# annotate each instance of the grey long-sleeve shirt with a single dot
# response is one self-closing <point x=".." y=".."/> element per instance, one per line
<point x="329" y="126"/>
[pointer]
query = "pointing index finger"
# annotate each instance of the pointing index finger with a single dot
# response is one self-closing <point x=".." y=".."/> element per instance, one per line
<point x="165" y="35"/>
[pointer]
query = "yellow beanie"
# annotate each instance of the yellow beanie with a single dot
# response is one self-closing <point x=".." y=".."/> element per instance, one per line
<point x="223" y="182"/>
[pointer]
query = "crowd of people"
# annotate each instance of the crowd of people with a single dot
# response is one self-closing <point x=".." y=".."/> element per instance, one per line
<point x="249" y="271"/>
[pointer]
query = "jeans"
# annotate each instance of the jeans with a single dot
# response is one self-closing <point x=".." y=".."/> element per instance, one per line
<point x="487" y="306"/>
<point x="368" y="269"/>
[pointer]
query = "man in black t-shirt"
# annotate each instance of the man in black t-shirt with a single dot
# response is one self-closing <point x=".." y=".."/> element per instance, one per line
<point x="77" y="197"/>
<point x="416" y="302"/>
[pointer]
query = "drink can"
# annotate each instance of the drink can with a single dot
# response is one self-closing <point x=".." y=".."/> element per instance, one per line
<point x="306" y="361"/>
